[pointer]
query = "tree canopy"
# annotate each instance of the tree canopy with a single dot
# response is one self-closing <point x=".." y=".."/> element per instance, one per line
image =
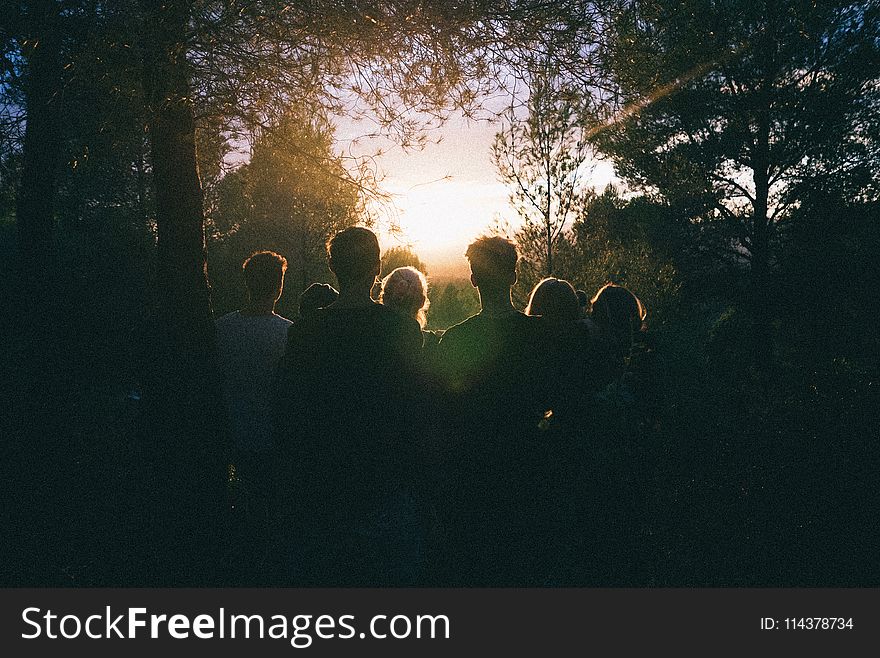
<point x="292" y="196"/>
<point x="543" y="156"/>
<point x="740" y="111"/>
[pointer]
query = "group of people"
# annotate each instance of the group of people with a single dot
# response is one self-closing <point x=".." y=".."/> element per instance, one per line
<point x="387" y="454"/>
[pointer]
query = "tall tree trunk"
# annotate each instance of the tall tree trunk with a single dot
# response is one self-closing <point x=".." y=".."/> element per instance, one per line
<point x="760" y="234"/>
<point x="549" y="228"/>
<point x="34" y="458"/>
<point x="760" y="298"/>
<point x="140" y="165"/>
<point x="42" y="141"/>
<point x="184" y="294"/>
<point x="183" y="395"/>
<point x="548" y="216"/>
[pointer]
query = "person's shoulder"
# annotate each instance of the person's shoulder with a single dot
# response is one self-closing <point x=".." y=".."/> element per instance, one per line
<point x="580" y="336"/>
<point x="303" y="324"/>
<point x="518" y="323"/>
<point x="280" y="326"/>
<point x="380" y="310"/>
<point x="389" y="314"/>
<point x="465" y="336"/>
<point x="306" y="335"/>
<point x="227" y="319"/>
<point x="336" y="313"/>
<point x="431" y="338"/>
<point x="281" y="321"/>
<point x="382" y="314"/>
<point x="229" y="327"/>
<point x="319" y="317"/>
<point x="461" y="329"/>
<point x="370" y="318"/>
<point x="410" y="326"/>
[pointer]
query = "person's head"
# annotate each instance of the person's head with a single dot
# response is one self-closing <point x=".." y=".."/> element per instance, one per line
<point x="264" y="276"/>
<point x="619" y="314"/>
<point x="354" y="258"/>
<point x="555" y="300"/>
<point x="493" y="263"/>
<point x="406" y="291"/>
<point x="315" y="297"/>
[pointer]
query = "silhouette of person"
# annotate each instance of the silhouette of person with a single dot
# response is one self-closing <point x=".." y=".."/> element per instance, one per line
<point x="576" y="368"/>
<point x="405" y="290"/>
<point x="488" y="366"/>
<point x="555" y="300"/>
<point x="620" y="317"/>
<point x="576" y="361"/>
<point x="317" y="296"/>
<point x="627" y="405"/>
<point x="251" y="342"/>
<point x="485" y="358"/>
<point x="347" y="451"/>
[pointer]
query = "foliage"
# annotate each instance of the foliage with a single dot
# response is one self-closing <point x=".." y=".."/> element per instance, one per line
<point x="632" y="242"/>
<point x="401" y="257"/>
<point x="738" y="111"/>
<point x="543" y="158"/>
<point x="740" y="479"/>
<point x="829" y="287"/>
<point x="452" y="301"/>
<point x="617" y="241"/>
<point x="292" y="197"/>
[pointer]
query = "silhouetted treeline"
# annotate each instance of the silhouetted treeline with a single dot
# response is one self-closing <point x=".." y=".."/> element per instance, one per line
<point x="757" y="465"/>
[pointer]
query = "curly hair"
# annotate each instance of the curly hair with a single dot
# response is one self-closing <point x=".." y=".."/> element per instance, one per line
<point x="406" y="290"/>
<point x="493" y="260"/>
<point x="264" y="274"/>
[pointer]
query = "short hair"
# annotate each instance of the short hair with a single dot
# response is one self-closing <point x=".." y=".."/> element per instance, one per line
<point x="583" y="298"/>
<point x="316" y="297"/>
<point x="264" y="274"/>
<point x="554" y="299"/>
<point x="405" y="290"/>
<point x="354" y="254"/>
<point x="493" y="260"/>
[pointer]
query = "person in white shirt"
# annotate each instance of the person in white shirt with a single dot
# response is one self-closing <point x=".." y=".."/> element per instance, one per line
<point x="251" y="342"/>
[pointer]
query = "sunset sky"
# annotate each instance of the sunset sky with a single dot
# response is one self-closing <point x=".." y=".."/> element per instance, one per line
<point x="446" y="194"/>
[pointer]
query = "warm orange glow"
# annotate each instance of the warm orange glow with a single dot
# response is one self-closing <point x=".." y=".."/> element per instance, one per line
<point x="446" y="194"/>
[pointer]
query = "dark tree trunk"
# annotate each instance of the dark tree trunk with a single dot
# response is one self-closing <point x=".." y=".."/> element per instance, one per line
<point x="760" y="297"/>
<point x="548" y="217"/>
<point x="34" y="457"/>
<point x="140" y="164"/>
<point x="184" y="294"/>
<point x="760" y="234"/>
<point x="549" y="248"/>
<point x="183" y="399"/>
<point x="42" y="140"/>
